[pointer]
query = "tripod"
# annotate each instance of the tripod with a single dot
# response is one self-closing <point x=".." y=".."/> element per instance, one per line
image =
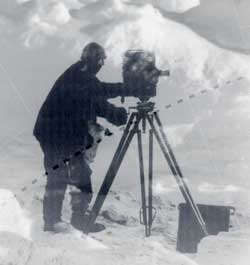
<point x="144" y="112"/>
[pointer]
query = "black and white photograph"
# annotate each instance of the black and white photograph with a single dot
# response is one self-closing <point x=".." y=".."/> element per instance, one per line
<point x="124" y="132"/>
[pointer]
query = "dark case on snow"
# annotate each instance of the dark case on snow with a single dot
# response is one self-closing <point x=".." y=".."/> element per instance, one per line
<point x="217" y="219"/>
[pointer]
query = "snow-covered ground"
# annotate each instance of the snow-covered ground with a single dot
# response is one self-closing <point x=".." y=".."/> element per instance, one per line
<point x="22" y="240"/>
<point x="123" y="242"/>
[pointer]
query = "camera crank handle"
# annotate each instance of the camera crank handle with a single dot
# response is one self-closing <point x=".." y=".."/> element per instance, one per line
<point x="164" y="73"/>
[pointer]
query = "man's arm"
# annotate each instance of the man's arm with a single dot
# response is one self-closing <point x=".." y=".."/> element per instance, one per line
<point x="115" y="115"/>
<point x="109" y="90"/>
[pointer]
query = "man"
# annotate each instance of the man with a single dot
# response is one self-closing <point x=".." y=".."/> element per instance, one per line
<point x="62" y="129"/>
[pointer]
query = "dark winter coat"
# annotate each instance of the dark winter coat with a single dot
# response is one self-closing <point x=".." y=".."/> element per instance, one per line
<point x="76" y="98"/>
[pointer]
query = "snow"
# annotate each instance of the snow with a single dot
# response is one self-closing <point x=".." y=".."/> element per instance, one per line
<point x="123" y="241"/>
<point x="210" y="249"/>
<point x="209" y="134"/>
<point x="224" y="23"/>
<point x="13" y="217"/>
<point x="178" y="6"/>
<point x="117" y="245"/>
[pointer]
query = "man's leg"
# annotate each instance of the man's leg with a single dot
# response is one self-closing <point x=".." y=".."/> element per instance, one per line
<point x="54" y="195"/>
<point x="80" y="198"/>
<point x="80" y="203"/>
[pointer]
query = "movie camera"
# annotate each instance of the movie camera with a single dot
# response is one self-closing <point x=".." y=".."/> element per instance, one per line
<point x="140" y="74"/>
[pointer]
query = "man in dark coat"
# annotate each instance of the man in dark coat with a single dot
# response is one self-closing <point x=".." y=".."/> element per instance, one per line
<point x="76" y="99"/>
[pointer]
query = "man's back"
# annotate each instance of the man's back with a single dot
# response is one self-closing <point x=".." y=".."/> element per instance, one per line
<point x="64" y="114"/>
<point x="76" y="98"/>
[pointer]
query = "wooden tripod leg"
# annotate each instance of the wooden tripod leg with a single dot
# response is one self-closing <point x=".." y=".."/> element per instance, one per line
<point x="150" y="181"/>
<point x="180" y="181"/>
<point x="142" y="180"/>
<point x="112" y="171"/>
<point x="171" y="154"/>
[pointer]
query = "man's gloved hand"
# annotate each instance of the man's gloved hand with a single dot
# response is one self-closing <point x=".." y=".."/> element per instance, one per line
<point x="120" y="116"/>
<point x="115" y="115"/>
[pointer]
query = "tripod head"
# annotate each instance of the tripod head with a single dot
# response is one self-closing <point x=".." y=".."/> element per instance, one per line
<point x="143" y="107"/>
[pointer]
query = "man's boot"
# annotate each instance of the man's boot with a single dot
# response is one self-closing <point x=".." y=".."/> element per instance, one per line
<point x="79" y="219"/>
<point x="79" y="203"/>
<point x="52" y="207"/>
<point x="62" y="227"/>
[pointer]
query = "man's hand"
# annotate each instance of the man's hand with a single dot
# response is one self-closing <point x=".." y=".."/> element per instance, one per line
<point x="121" y="116"/>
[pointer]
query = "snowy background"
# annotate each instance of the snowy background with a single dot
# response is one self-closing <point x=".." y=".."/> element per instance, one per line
<point x="206" y="46"/>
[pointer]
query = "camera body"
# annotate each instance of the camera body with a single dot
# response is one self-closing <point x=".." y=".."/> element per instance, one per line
<point x="140" y="75"/>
